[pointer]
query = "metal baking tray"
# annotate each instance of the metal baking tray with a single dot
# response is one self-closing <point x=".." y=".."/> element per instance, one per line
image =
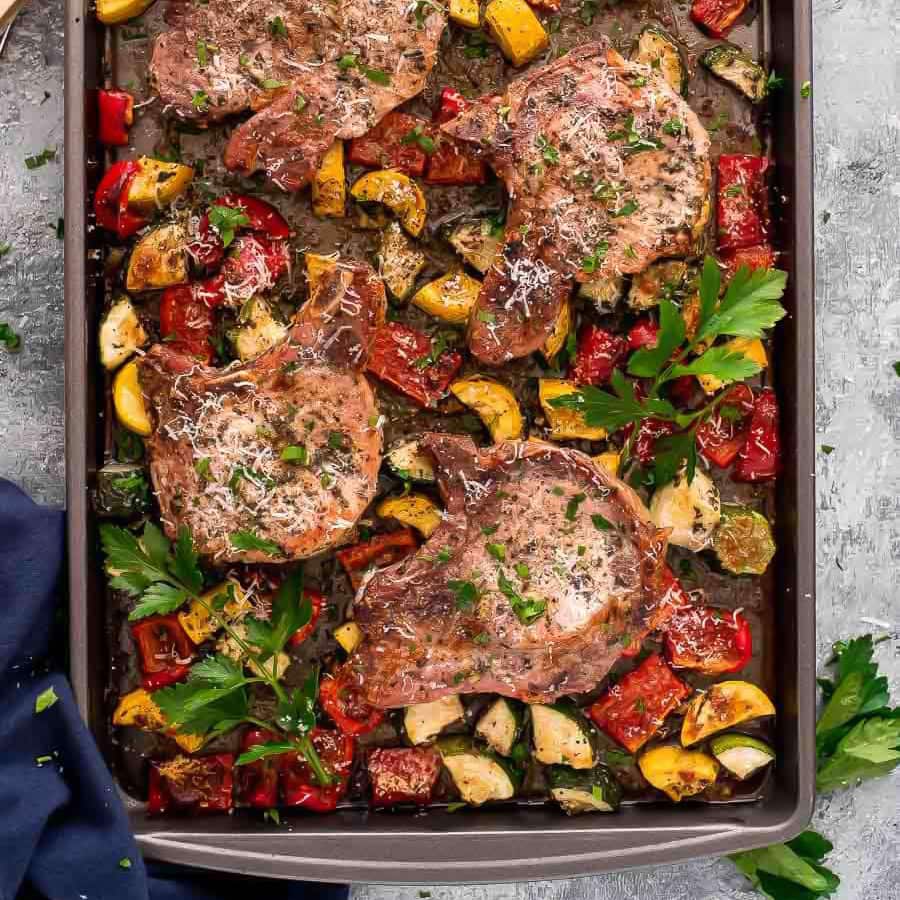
<point x="519" y="842"/>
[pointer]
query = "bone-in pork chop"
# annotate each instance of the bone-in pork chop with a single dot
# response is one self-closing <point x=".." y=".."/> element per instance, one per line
<point x="311" y="70"/>
<point x="282" y="452"/>
<point x="607" y="170"/>
<point x="543" y="567"/>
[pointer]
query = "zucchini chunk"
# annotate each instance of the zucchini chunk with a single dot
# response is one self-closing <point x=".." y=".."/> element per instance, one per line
<point x="736" y="68"/>
<point x="591" y="790"/>
<point x="494" y="403"/>
<point x="416" y="510"/>
<point x="411" y="463"/>
<point x="121" y="333"/>
<point x="157" y="184"/>
<point x="741" y="754"/>
<point x="479" y="774"/>
<point x="658" y="50"/>
<point x="501" y="725"/>
<point x="692" y="511"/>
<point x="399" y="261"/>
<point x="659" y="280"/>
<point x="724" y="705"/>
<point x="259" y="330"/>
<point x="604" y="293"/>
<point x="477" y="243"/>
<point x="159" y="260"/>
<point x="122" y="491"/>
<point x="425" y="721"/>
<point x="678" y="773"/>
<point x="743" y="541"/>
<point x="563" y="736"/>
<point x="450" y="297"/>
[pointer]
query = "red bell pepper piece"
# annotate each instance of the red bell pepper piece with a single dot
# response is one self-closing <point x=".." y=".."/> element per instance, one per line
<point x="722" y="435"/>
<point x="165" y="650"/>
<point x="633" y="710"/>
<point x="760" y="457"/>
<point x="186" y="321"/>
<point x="717" y="16"/>
<point x="649" y="432"/>
<point x="403" y="775"/>
<point x="599" y="353"/>
<point x="382" y="550"/>
<point x="111" y="200"/>
<point x="317" y="603"/>
<point x="452" y="163"/>
<point x="644" y="333"/>
<point x="759" y="257"/>
<point x="341" y="698"/>
<point x="683" y="390"/>
<point x="194" y="784"/>
<point x="742" y="208"/>
<point x="401" y="356"/>
<point x="253" y="265"/>
<point x="709" y="640"/>
<point x="116" y="110"/>
<point x="391" y="144"/>
<point x="452" y="104"/>
<point x="257" y="782"/>
<point x="298" y="783"/>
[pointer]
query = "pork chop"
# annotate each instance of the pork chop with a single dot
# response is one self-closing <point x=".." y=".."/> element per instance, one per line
<point x="312" y="71"/>
<point x="542" y="568"/>
<point x="607" y="170"/>
<point x="284" y="450"/>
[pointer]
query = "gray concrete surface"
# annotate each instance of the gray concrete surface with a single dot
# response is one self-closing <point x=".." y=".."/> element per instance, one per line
<point x="857" y="293"/>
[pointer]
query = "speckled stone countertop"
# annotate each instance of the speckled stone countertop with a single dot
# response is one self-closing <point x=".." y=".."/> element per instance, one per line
<point x="856" y="99"/>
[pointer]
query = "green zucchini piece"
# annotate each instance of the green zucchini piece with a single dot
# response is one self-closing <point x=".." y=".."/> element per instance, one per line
<point x="734" y="67"/>
<point x="691" y="510"/>
<point x="258" y="329"/>
<point x="399" y="261"/>
<point x="121" y="333"/>
<point x="604" y="293"/>
<point x="122" y="491"/>
<point x="501" y="725"/>
<point x="743" y="541"/>
<point x="588" y="790"/>
<point x="425" y="721"/>
<point x="657" y="49"/>
<point x="658" y="281"/>
<point x="563" y="736"/>
<point x="411" y="463"/>
<point x="741" y="754"/>
<point x="477" y="243"/>
<point x="479" y="774"/>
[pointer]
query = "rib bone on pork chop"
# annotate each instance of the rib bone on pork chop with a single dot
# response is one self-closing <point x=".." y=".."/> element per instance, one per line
<point x="216" y="454"/>
<point x="607" y="170"/>
<point x="526" y="523"/>
<point x="312" y="70"/>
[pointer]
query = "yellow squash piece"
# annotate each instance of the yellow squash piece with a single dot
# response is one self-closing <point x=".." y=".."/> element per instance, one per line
<point x="329" y="187"/>
<point x="157" y="184"/>
<point x="516" y="29"/>
<point x="415" y="510"/>
<point x="196" y="621"/>
<point x="752" y="348"/>
<point x="450" y="297"/>
<point x="477" y="243"/>
<point x="316" y="266"/>
<point x="565" y="424"/>
<point x="138" y="709"/>
<point x="465" y="13"/>
<point x="724" y="705"/>
<point x="159" y="260"/>
<point x="609" y="461"/>
<point x="397" y="192"/>
<point x="128" y="401"/>
<point x="678" y="773"/>
<point x="557" y="339"/>
<point x="114" y="12"/>
<point x="349" y="636"/>
<point x="399" y="261"/>
<point x="494" y="403"/>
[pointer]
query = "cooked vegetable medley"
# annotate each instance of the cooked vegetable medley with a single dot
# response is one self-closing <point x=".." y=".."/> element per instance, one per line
<point x="500" y="376"/>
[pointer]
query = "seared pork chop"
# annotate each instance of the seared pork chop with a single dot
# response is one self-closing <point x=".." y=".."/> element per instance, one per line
<point x="284" y="449"/>
<point x="542" y="568"/>
<point x="607" y="170"/>
<point x="313" y="71"/>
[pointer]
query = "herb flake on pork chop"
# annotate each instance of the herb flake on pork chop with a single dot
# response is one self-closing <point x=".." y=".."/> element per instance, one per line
<point x="311" y="71"/>
<point x="542" y="571"/>
<point x="607" y="170"/>
<point x="277" y="458"/>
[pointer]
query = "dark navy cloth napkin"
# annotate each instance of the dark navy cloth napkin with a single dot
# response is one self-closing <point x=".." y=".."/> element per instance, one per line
<point x="64" y="834"/>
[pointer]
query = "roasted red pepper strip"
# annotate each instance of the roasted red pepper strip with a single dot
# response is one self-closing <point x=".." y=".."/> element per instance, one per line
<point x="723" y="434"/>
<point x="717" y="16"/>
<point x="452" y="104"/>
<point x="317" y="602"/>
<point x="193" y="784"/>
<point x="342" y="700"/>
<point x="382" y="550"/>
<point x="298" y="783"/>
<point x="257" y="782"/>
<point x="391" y="144"/>
<point x="709" y="640"/>
<point x="760" y="457"/>
<point x="452" y="163"/>
<point x="111" y="200"/>
<point x="599" y="353"/>
<point x="116" y="117"/>
<point x="166" y="652"/>
<point x="742" y="207"/>
<point x="403" y="775"/>
<point x="634" y="709"/>
<point x="759" y="257"/>
<point x="186" y="321"/>
<point x="400" y="357"/>
<point x="644" y="333"/>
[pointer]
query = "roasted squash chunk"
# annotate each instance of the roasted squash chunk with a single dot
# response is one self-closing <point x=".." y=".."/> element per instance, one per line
<point x="494" y="403"/>
<point x="565" y="424"/>
<point x="114" y="12"/>
<point x="465" y="13"/>
<point x="398" y="192"/>
<point x="157" y="184"/>
<point x="450" y="297"/>
<point x="159" y="260"/>
<point x="724" y="705"/>
<point x="516" y="29"/>
<point x="329" y="187"/>
<point x="415" y="510"/>
<point x="131" y="411"/>
<point x="678" y="773"/>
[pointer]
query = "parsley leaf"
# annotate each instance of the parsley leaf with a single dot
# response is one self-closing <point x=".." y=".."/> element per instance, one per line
<point x="226" y="220"/>
<point x="45" y="699"/>
<point x="549" y="153"/>
<point x="248" y="540"/>
<point x="201" y="706"/>
<point x="721" y="362"/>
<point x="9" y="338"/>
<point x="750" y="305"/>
<point x="295" y="454"/>
<point x="648" y="362"/>
<point x="466" y="594"/>
<point x="40" y="159"/>
<point x="264" y="751"/>
<point x="417" y="136"/>
<point x="527" y="609"/>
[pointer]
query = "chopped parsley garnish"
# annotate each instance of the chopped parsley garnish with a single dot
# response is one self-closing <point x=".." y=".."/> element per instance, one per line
<point x="272" y="84"/>
<point x="572" y="506"/>
<point x="488" y="530"/>
<point x="630" y="252"/>
<point x="45" y="699"/>
<point x="124" y="863"/>
<point x="200" y="101"/>
<point x="558" y="491"/>
<point x="549" y="153"/>
<point x="248" y="540"/>
<point x="5" y="247"/>
<point x="477" y="46"/>
<point x="674" y="127"/>
<point x="601" y="523"/>
<point x="607" y="190"/>
<point x="417" y="136"/>
<point x="277" y="28"/>
<point x="635" y="142"/>
<point x="40" y="159"/>
<point x="226" y="220"/>
<point x="443" y="556"/>
<point x="272" y="815"/>
<point x="484" y="316"/>
<point x="897" y="369"/>
<point x="625" y="210"/>
<point x="295" y="454"/>
<point x="482" y="638"/>
<point x="593" y="262"/>
<point x="522" y="571"/>
<point x="638" y="81"/>
<point x="466" y="594"/>
<point x="805" y="90"/>
<point x="9" y="338"/>
<point x="245" y="473"/>
<point x="527" y="609"/>
<point x="774" y="83"/>
<point x="439" y="344"/>
<point x="498" y="551"/>
<point x="734" y="190"/>
<point x="351" y="61"/>
<point x="336" y="440"/>
<point x="299" y="103"/>
<point x="326" y="480"/>
<point x="202" y="53"/>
